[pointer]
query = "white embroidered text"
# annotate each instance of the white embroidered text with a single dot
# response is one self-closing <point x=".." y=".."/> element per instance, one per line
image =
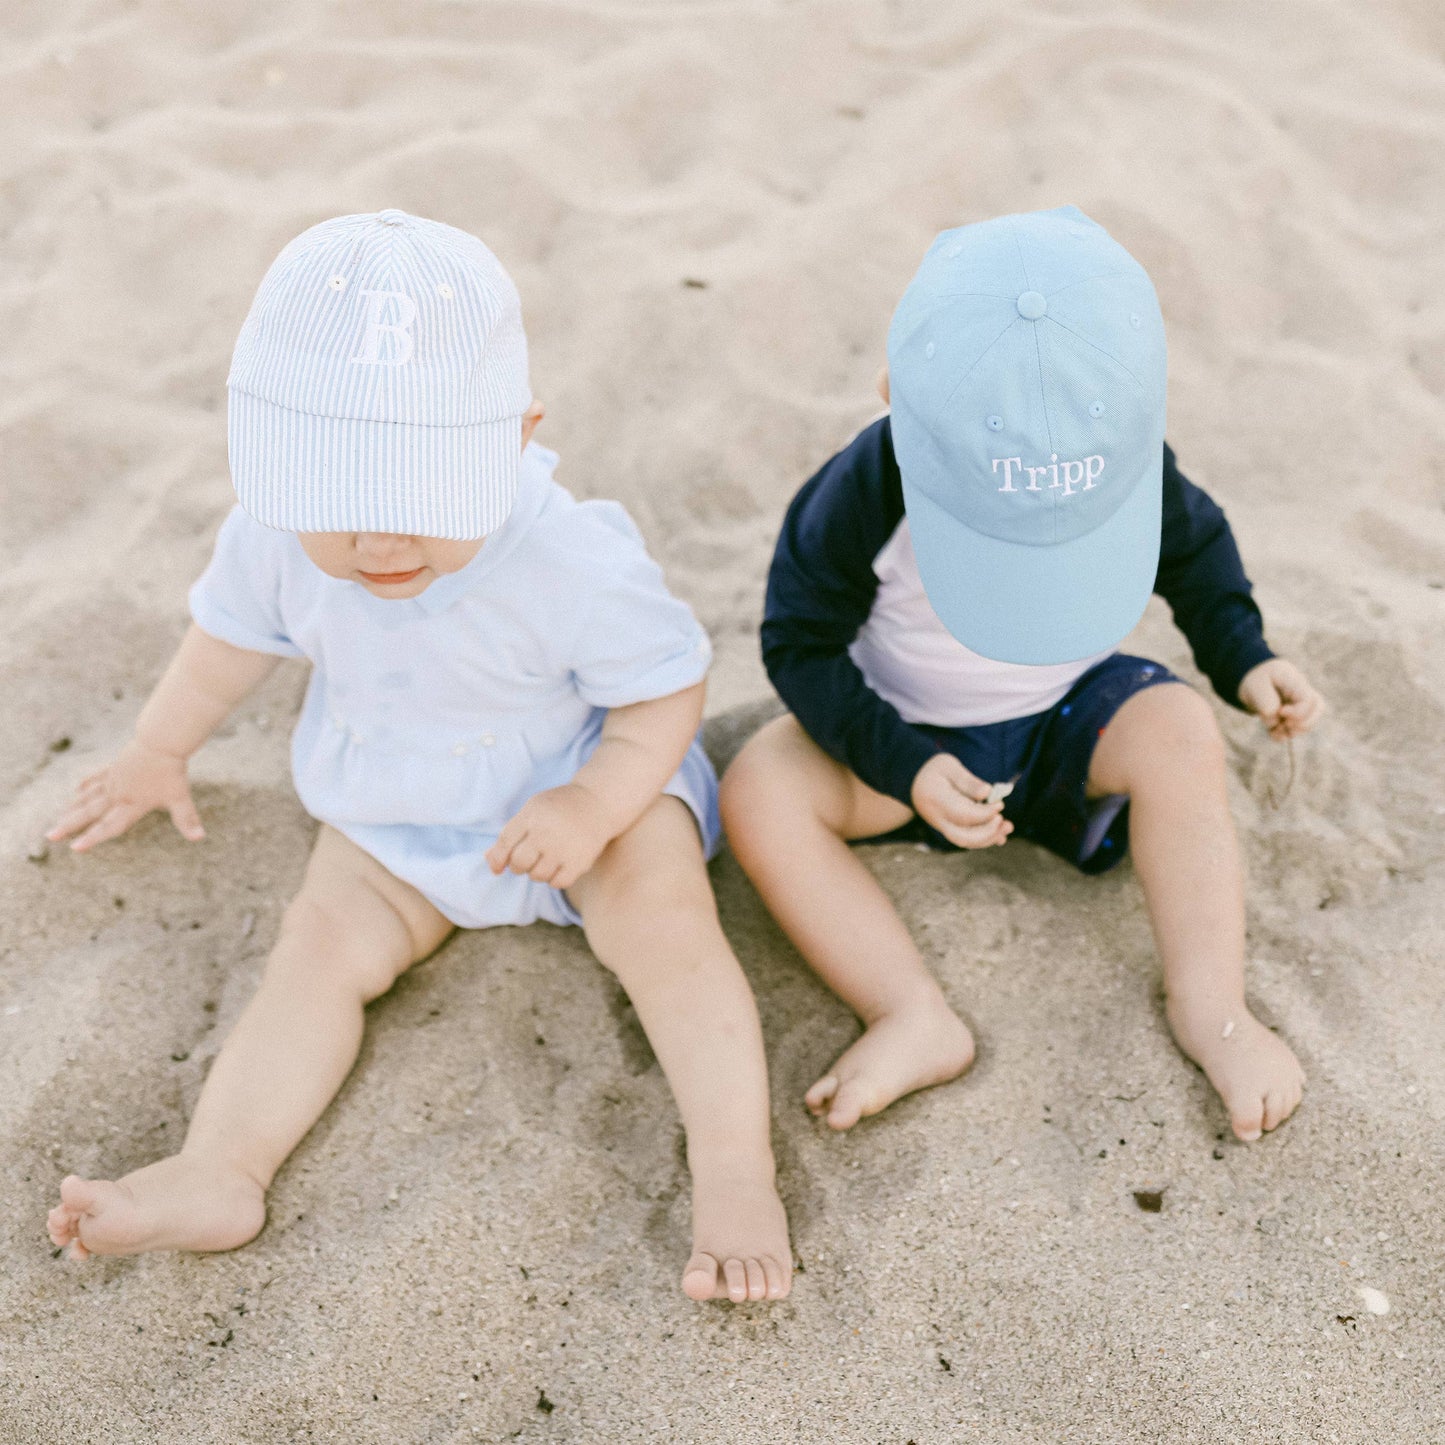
<point x="1067" y="475"/>
<point x="403" y="342"/>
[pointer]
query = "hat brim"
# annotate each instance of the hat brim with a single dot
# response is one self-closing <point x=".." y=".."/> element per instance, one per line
<point x="1039" y="605"/>
<point x="304" y="473"/>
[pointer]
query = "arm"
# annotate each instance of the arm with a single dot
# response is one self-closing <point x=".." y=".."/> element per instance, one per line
<point x="642" y="746"/>
<point x="1202" y="578"/>
<point x="205" y="680"/>
<point x="636" y="652"/>
<point x="559" y="834"/>
<point x="820" y="591"/>
<point x="821" y="588"/>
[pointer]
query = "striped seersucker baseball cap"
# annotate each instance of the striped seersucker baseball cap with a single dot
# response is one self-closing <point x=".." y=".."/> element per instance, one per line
<point x="378" y="383"/>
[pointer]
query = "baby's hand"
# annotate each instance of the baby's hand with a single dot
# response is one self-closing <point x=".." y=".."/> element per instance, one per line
<point x="137" y="782"/>
<point x="948" y="796"/>
<point x="555" y="838"/>
<point x="1282" y="697"/>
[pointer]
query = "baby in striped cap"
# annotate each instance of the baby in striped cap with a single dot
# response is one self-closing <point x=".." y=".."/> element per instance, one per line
<point x="501" y="726"/>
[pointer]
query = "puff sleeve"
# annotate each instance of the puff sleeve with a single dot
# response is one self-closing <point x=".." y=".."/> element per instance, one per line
<point x="636" y="641"/>
<point x="237" y="599"/>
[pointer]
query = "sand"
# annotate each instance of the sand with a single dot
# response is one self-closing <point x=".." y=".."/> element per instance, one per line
<point x="710" y="209"/>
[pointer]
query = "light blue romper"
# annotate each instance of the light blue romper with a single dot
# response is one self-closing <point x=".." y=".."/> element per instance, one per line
<point x="430" y="721"/>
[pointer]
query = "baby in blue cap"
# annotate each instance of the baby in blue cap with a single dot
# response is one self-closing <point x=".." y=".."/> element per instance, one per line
<point x="500" y="727"/>
<point x="943" y="618"/>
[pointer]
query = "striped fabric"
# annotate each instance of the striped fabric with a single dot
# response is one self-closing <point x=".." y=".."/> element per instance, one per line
<point x="378" y="383"/>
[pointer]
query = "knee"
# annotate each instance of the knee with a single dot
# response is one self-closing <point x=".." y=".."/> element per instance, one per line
<point x="639" y="907"/>
<point x="317" y="944"/>
<point x="766" y="781"/>
<point x="666" y="948"/>
<point x="649" y="885"/>
<point x="745" y="783"/>
<point x="1179" y="739"/>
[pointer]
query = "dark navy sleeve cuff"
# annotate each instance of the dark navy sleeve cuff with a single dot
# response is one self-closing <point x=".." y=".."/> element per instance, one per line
<point x="894" y="772"/>
<point x="1227" y="676"/>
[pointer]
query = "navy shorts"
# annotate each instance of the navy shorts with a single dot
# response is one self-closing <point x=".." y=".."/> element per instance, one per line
<point x="1049" y="753"/>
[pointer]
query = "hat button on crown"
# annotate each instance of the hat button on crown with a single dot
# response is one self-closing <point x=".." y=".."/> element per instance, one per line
<point x="391" y="218"/>
<point x="1032" y="305"/>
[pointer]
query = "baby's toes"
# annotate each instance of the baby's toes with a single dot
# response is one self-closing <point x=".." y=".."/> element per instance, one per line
<point x="60" y="1224"/>
<point x="849" y="1105"/>
<point x="736" y="1275"/>
<point x="779" y="1279"/>
<point x="1279" y="1104"/>
<point x="757" y="1279"/>
<point x="818" y="1097"/>
<point x="81" y="1196"/>
<point x="699" y="1279"/>
<point x="1247" y="1120"/>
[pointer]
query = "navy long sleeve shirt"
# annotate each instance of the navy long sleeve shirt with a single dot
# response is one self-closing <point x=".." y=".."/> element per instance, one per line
<point x="821" y="588"/>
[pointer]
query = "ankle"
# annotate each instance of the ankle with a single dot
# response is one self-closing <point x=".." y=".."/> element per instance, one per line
<point x="225" y="1163"/>
<point x="1203" y="1010"/>
<point x="730" y="1164"/>
<point x="925" y="997"/>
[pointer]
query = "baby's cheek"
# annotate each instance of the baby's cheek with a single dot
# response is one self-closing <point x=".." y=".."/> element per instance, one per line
<point x="445" y="555"/>
<point x="330" y="551"/>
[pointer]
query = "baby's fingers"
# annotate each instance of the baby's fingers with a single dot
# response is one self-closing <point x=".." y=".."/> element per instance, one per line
<point x="1268" y="711"/>
<point x="546" y="868"/>
<point x="1302" y="715"/>
<point x="984" y="835"/>
<point x="962" y="781"/>
<point x="964" y="813"/>
<point x="80" y="814"/>
<point x="115" y="821"/>
<point x="1262" y="698"/>
<point x="500" y="853"/>
<point x="187" y="819"/>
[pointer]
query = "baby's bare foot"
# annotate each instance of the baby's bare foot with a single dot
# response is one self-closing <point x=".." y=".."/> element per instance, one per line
<point x="1253" y="1070"/>
<point x="913" y="1048"/>
<point x="740" y="1248"/>
<point x="176" y="1203"/>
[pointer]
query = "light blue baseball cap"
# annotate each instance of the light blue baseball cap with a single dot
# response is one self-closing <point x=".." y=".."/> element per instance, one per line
<point x="379" y="381"/>
<point x="1026" y="369"/>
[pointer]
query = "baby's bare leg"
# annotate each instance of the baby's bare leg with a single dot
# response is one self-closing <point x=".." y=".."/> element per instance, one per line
<point x="789" y="810"/>
<point x="1163" y="748"/>
<point x="650" y="916"/>
<point x="350" y="931"/>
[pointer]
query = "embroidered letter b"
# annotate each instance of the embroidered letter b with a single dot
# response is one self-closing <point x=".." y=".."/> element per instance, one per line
<point x="403" y="343"/>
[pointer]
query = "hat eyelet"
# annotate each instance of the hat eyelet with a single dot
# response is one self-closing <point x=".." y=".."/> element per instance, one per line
<point x="995" y="423"/>
<point x="1135" y="320"/>
<point x="337" y="283"/>
<point x="445" y="291"/>
<point x="929" y="350"/>
<point x="1096" y="408"/>
<point x="954" y="250"/>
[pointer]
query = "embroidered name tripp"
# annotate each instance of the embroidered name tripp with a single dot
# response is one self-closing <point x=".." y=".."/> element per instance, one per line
<point x="1087" y="471"/>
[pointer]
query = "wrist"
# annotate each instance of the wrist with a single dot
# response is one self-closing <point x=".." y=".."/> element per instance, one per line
<point x="1252" y="660"/>
<point x="912" y="798"/>
<point x="908" y="769"/>
<point x="159" y="747"/>
<point x="606" y="809"/>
